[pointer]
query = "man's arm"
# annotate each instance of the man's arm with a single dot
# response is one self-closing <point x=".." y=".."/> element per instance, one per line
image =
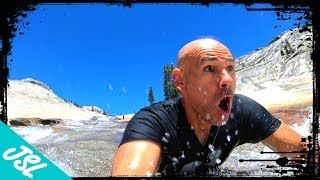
<point x="285" y="139"/>
<point x="137" y="158"/>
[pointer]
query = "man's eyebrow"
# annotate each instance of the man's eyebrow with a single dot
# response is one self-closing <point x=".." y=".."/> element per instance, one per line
<point x="212" y="58"/>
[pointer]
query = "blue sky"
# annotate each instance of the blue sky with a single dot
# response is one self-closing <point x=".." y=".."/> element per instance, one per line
<point x="109" y="56"/>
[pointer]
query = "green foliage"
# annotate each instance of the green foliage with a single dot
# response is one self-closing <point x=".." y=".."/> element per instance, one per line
<point x="150" y="96"/>
<point x="170" y="91"/>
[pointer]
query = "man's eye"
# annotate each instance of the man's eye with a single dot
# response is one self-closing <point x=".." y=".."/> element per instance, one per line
<point x="209" y="69"/>
<point x="230" y="68"/>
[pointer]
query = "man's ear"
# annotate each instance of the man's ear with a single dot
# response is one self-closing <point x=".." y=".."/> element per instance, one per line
<point x="177" y="79"/>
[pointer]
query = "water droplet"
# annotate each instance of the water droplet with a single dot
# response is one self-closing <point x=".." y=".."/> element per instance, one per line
<point x="151" y="163"/>
<point x="231" y="115"/>
<point x="208" y="116"/>
<point x="182" y="154"/>
<point x="175" y="161"/>
<point x="236" y="132"/>
<point x="211" y="147"/>
<point x="222" y="117"/>
<point x="164" y="139"/>
<point x="167" y="134"/>
<point x="198" y="154"/>
<point x="149" y="174"/>
<point x="218" y="161"/>
<point x="205" y="93"/>
<point x="223" y="123"/>
<point x="192" y="128"/>
<point x="228" y="137"/>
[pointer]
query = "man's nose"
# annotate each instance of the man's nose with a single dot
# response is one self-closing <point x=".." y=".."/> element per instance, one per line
<point x="226" y="80"/>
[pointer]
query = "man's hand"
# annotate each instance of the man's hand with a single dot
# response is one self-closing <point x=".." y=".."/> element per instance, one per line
<point x="137" y="158"/>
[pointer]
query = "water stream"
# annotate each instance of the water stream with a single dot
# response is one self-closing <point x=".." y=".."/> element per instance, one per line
<point x="86" y="148"/>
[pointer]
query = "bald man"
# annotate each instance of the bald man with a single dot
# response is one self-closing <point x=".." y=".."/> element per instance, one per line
<point x="194" y="133"/>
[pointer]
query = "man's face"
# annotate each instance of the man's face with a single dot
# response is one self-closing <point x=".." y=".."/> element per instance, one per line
<point x="210" y="82"/>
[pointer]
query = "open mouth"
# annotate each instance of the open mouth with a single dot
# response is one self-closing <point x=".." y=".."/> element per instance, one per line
<point x="224" y="104"/>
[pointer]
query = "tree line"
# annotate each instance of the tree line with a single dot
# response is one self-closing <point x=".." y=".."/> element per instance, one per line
<point x="169" y="90"/>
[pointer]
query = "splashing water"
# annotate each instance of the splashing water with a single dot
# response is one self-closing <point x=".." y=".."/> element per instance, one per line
<point x="229" y="138"/>
<point x="223" y="123"/>
<point x="164" y="139"/>
<point x="82" y="151"/>
<point x="175" y="161"/>
<point x="149" y="174"/>
<point x="208" y="116"/>
<point x="211" y="147"/>
<point x="218" y="161"/>
<point x="182" y="155"/>
<point x="151" y="163"/>
<point x="236" y="132"/>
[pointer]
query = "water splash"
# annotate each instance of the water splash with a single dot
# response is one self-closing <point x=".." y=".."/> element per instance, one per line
<point x="151" y="163"/>
<point x="165" y="137"/>
<point x="149" y="174"/>
<point x="208" y="116"/>
<point x="231" y="115"/>
<point x="218" y="161"/>
<point x="34" y="133"/>
<point x="211" y="147"/>
<point x="236" y="132"/>
<point x="229" y="138"/>
<point x="183" y="155"/>
<point x="167" y="134"/>
<point x="175" y="161"/>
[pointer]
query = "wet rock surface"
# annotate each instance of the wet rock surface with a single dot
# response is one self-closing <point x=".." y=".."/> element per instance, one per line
<point x="33" y="121"/>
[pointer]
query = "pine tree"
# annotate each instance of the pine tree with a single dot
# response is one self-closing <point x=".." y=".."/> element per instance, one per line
<point x="150" y="96"/>
<point x="170" y="91"/>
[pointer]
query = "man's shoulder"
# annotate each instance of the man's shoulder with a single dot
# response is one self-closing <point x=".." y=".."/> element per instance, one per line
<point x="243" y="98"/>
<point x="161" y="110"/>
<point x="171" y="104"/>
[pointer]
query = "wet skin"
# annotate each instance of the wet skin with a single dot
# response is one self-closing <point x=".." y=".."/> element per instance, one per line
<point x="206" y="78"/>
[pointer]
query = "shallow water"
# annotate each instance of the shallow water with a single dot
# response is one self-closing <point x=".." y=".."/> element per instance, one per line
<point x="87" y="148"/>
<point x="81" y="149"/>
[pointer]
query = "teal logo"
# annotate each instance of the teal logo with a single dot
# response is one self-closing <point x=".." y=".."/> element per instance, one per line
<point x="19" y="160"/>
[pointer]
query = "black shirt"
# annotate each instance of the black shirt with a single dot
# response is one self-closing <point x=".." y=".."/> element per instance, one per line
<point x="182" y="153"/>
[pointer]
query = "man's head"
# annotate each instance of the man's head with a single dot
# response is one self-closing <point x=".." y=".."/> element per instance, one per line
<point x="205" y="76"/>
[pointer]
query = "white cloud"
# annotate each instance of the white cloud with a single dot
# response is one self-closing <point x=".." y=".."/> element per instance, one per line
<point x="110" y="87"/>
